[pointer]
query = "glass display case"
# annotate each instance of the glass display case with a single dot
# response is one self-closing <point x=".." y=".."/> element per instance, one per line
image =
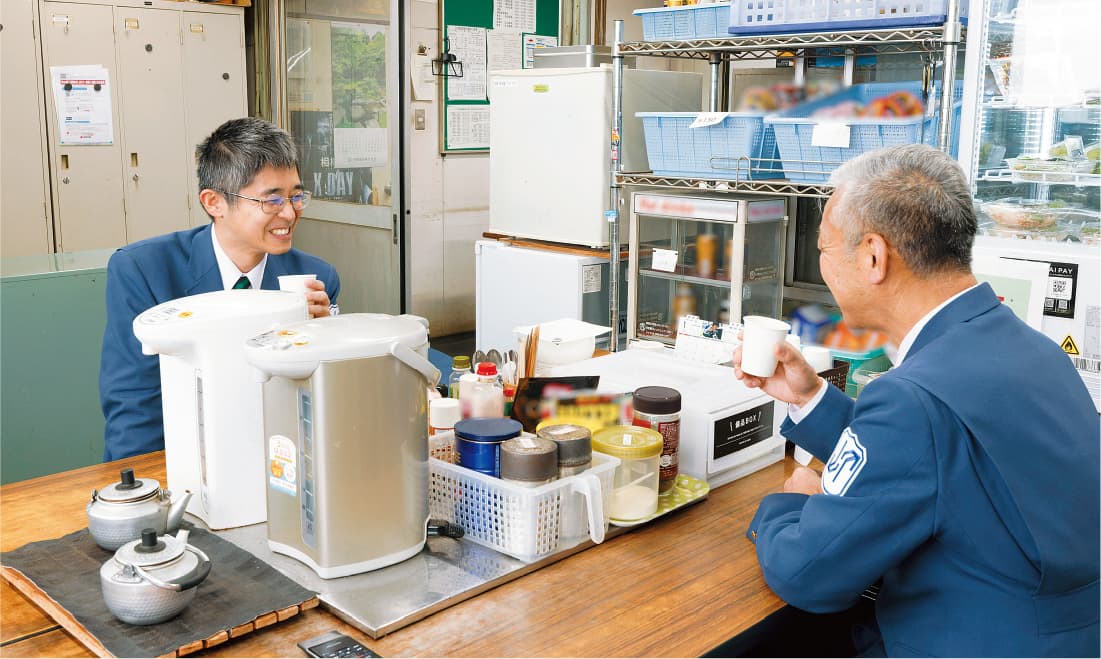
<point x="1031" y="144"/>
<point x="717" y="257"/>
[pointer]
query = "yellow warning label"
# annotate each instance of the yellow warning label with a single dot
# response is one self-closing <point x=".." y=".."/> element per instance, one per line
<point x="1069" y="346"/>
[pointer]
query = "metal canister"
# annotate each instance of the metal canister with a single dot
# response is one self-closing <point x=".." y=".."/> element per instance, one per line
<point x="478" y="442"/>
<point x="575" y="447"/>
<point x="659" y="408"/>
<point x="529" y="461"/>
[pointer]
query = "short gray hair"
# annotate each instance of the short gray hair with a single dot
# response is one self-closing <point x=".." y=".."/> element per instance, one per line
<point x="237" y="150"/>
<point x="916" y="197"/>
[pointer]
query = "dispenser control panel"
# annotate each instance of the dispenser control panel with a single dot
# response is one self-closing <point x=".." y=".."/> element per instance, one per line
<point x="307" y="502"/>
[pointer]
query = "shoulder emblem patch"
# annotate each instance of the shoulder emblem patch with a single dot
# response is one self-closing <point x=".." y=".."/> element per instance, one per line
<point x="849" y="457"/>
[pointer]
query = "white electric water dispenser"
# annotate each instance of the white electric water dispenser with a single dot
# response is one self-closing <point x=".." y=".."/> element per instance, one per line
<point x="345" y="416"/>
<point x="213" y="419"/>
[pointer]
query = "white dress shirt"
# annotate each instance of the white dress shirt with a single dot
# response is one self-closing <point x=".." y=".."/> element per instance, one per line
<point x="230" y="273"/>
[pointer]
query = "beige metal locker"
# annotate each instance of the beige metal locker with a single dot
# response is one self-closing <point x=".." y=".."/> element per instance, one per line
<point x="24" y="193"/>
<point x="214" y="75"/>
<point x="87" y="178"/>
<point x="147" y="43"/>
<point x="177" y="71"/>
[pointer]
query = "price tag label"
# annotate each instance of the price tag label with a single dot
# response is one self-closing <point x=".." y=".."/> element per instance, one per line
<point x="665" y="260"/>
<point x="829" y="134"/>
<point x="708" y="119"/>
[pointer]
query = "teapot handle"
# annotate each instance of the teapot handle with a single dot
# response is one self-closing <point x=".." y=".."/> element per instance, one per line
<point x="189" y="580"/>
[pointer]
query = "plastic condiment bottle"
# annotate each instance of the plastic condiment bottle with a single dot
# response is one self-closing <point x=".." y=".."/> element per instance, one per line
<point x="443" y="414"/>
<point x="486" y="397"/>
<point x="459" y="366"/>
<point x="659" y="408"/>
<point x="635" y="484"/>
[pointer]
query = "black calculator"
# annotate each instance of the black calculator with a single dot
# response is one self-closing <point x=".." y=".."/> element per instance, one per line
<point x="335" y="644"/>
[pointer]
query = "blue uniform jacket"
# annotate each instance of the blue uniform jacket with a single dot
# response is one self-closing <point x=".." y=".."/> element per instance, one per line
<point x="967" y="480"/>
<point x="143" y="275"/>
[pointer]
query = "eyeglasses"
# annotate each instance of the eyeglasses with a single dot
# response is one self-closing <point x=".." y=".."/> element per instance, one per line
<point x="273" y="204"/>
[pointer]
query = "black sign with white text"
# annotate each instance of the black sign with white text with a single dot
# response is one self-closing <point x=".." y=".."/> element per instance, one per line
<point x="743" y="429"/>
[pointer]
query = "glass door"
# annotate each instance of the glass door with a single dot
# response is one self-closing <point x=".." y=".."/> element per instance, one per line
<point x="1033" y="112"/>
<point x="343" y="106"/>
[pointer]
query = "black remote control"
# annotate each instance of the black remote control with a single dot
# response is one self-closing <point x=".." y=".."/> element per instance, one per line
<point x="335" y="644"/>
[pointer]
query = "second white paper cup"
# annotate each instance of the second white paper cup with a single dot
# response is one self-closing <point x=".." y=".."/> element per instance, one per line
<point x="296" y="283"/>
<point x="760" y="336"/>
<point x="820" y="358"/>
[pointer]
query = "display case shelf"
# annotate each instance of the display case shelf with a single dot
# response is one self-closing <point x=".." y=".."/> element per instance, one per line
<point x="763" y="187"/>
<point x="900" y="40"/>
<point x="1047" y="178"/>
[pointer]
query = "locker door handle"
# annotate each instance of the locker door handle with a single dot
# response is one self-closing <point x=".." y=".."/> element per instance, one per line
<point x="135" y="177"/>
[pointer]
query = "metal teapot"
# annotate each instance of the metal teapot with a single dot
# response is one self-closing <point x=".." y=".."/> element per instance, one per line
<point x="151" y="580"/>
<point x="118" y="513"/>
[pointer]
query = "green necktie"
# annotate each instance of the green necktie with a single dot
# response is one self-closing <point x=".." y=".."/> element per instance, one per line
<point x="243" y="282"/>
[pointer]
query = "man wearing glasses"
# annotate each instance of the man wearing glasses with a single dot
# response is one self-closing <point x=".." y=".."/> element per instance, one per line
<point x="250" y="186"/>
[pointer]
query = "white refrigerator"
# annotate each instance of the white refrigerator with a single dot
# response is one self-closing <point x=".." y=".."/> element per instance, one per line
<point x="550" y="146"/>
<point x="1030" y="141"/>
<point x="522" y="286"/>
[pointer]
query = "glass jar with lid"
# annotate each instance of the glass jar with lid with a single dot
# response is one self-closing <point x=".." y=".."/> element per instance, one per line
<point x="635" y="484"/>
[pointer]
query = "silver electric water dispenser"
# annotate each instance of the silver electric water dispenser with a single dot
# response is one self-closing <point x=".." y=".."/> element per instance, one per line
<point x="345" y="421"/>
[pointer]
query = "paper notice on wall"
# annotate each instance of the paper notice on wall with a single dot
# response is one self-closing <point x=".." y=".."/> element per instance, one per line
<point x="82" y="99"/>
<point x="359" y="147"/>
<point x="424" y="83"/>
<point x="506" y="50"/>
<point x="468" y="45"/>
<point x="533" y="41"/>
<point x="514" y="14"/>
<point x="468" y="127"/>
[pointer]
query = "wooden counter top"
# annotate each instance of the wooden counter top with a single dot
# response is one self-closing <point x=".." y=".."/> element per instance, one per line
<point x="677" y="586"/>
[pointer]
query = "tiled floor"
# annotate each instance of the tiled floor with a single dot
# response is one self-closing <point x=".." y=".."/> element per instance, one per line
<point x="454" y="344"/>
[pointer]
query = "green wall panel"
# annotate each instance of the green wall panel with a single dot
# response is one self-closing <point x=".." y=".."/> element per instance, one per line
<point x="52" y="315"/>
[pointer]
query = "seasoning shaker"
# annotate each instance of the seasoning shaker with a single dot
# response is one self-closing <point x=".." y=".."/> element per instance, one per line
<point x="575" y="447"/>
<point x="529" y="461"/>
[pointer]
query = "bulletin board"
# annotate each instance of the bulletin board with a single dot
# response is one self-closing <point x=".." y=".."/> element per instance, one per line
<point x="485" y="35"/>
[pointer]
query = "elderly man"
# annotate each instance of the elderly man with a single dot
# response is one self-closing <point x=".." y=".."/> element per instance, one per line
<point x="965" y="481"/>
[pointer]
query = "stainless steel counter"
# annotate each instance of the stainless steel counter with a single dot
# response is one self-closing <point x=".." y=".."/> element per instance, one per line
<point x="445" y="572"/>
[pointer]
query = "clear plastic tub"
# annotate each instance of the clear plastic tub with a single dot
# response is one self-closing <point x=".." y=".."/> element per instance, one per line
<point x="635" y="486"/>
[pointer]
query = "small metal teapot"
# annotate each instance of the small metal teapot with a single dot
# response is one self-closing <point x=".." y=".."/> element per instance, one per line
<point x="151" y="580"/>
<point x="118" y="513"/>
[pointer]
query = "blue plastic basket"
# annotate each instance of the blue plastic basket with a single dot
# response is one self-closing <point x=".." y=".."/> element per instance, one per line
<point x="685" y="23"/>
<point x="772" y="16"/>
<point x="803" y="162"/>
<point x="739" y="147"/>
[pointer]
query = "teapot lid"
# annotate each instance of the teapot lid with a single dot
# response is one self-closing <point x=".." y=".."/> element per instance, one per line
<point x="152" y="550"/>
<point x="129" y="489"/>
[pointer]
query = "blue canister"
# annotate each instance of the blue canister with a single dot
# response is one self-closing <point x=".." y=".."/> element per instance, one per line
<point x="478" y="442"/>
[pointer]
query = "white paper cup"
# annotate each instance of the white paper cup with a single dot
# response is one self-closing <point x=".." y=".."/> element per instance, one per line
<point x="819" y="358"/>
<point x="760" y="336"/>
<point x="296" y="283"/>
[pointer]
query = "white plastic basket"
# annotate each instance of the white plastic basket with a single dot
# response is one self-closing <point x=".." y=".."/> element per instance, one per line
<point x="527" y="523"/>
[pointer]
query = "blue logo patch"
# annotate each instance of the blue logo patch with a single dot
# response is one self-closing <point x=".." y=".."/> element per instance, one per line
<point x="849" y="457"/>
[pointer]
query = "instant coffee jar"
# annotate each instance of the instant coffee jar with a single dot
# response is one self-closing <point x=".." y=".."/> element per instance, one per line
<point x="575" y="447"/>
<point x="529" y="461"/>
<point x="659" y="408"/>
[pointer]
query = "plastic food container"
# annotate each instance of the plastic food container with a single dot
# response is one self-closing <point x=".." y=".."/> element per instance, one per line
<point x="635" y="484"/>
<point x="1048" y="170"/>
<point x="1021" y="213"/>
<point x="869" y="371"/>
